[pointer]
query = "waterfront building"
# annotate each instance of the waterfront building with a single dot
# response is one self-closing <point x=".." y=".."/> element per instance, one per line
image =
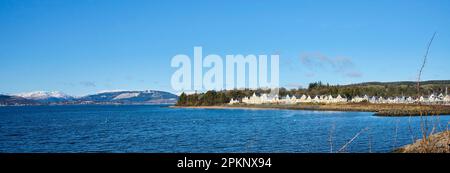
<point x="328" y="99"/>
<point x="233" y="101"/>
<point x="340" y="99"/>
<point x="447" y="99"/>
<point x="316" y="99"/>
<point x="308" y="99"/>
<point x="358" y="99"/>
<point x="409" y="100"/>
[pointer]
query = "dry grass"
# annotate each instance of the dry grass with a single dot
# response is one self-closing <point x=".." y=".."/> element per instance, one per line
<point x="436" y="143"/>
<point x="379" y="109"/>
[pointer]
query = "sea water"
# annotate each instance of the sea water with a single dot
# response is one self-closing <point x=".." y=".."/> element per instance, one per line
<point x="161" y="129"/>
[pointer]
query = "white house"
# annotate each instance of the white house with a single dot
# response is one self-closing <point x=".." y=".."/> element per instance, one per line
<point x="341" y="99"/>
<point x="233" y="101"/>
<point x="358" y="99"/>
<point x="447" y="99"/>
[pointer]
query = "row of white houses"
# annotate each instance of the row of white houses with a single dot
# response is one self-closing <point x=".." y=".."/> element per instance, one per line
<point x="267" y="99"/>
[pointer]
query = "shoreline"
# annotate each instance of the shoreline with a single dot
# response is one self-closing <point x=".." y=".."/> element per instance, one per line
<point x="223" y="107"/>
<point x="377" y="109"/>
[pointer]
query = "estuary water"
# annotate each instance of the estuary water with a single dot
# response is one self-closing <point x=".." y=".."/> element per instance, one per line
<point x="161" y="129"/>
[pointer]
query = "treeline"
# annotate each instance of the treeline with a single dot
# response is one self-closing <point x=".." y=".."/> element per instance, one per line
<point x="391" y="89"/>
<point x="318" y="88"/>
<point x="215" y="97"/>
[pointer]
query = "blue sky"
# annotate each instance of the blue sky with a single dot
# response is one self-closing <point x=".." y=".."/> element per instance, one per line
<point x="80" y="46"/>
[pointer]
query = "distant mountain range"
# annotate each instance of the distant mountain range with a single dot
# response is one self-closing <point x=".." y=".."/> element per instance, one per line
<point x="131" y="97"/>
<point x="112" y="97"/>
<point x="46" y="97"/>
<point x="14" y="100"/>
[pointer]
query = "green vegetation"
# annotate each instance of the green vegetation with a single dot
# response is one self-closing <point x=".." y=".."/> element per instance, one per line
<point x="384" y="89"/>
<point x="207" y="99"/>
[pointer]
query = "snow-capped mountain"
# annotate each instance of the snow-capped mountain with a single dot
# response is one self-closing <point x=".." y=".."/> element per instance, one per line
<point x="127" y="95"/>
<point x="45" y="96"/>
<point x="109" y="91"/>
<point x="131" y="97"/>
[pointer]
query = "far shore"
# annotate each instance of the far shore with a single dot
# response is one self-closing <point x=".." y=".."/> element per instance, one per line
<point x="226" y="107"/>
<point x="377" y="109"/>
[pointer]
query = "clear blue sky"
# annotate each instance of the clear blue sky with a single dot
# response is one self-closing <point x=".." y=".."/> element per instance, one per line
<point x="80" y="46"/>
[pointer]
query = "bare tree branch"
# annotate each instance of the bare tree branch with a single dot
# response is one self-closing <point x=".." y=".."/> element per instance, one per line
<point x="351" y="140"/>
<point x="333" y="127"/>
<point x="422" y="123"/>
<point x="423" y="64"/>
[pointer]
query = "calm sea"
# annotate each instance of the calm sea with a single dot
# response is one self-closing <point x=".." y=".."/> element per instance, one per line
<point x="106" y="128"/>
